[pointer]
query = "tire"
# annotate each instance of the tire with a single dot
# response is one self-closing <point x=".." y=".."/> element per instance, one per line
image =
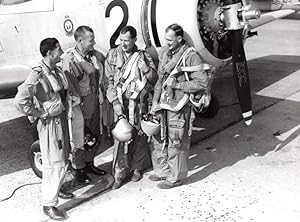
<point x="35" y="158"/>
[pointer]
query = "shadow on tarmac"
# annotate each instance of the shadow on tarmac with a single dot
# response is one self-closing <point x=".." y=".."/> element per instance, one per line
<point x="15" y="140"/>
<point x="263" y="71"/>
<point x="210" y="159"/>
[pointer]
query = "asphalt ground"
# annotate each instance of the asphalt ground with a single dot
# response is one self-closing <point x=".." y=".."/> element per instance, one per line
<point x="237" y="173"/>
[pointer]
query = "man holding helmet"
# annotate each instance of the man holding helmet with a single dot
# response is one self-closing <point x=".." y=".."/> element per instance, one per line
<point x="182" y="79"/>
<point x="83" y="66"/>
<point x="131" y="74"/>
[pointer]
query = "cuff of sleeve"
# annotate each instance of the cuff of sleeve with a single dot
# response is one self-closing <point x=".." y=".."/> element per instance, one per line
<point x="147" y="70"/>
<point x="179" y="85"/>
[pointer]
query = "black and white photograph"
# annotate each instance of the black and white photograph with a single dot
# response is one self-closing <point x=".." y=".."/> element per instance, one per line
<point x="150" y="110"/>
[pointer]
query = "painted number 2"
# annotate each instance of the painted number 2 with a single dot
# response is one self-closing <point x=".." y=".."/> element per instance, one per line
<point x="124" y="8"/>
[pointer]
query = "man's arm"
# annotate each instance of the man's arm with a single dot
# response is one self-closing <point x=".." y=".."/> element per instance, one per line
<point x="24" y="99"/>
<point x="148" y="68"/>
<point x="111" y="90"/>
<point x="68" y="67"/>
<point x="159" y="83"/>
<point x="199" y="79"/>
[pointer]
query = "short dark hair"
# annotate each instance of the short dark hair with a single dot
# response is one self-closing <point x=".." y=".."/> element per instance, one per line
<point x="82" y="30"/>
<point x="130" y="29"/>
<point x="48" y="44"/>
<point x="176" y="28"/>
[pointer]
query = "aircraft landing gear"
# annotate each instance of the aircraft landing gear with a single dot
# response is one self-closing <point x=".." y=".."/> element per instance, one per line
<point x="35" y="155"/>
<point x="35" y="159"/>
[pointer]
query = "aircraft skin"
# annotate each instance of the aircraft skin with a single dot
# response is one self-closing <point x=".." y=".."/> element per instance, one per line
<point x="24" y="23"/>
<point x="22" y="29"/>
<point x="272" y="5"/>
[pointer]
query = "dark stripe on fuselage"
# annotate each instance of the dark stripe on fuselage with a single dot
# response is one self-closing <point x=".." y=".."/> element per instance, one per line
<point x="153" y="24"/>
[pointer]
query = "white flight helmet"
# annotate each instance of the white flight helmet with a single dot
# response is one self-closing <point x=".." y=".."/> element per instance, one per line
<point x="123" y="131"/>
<point x="150" y="125"/>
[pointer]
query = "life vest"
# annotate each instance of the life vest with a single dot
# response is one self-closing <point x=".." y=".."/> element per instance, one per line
<point x="176" y="104"/>
<point x="85" y="72"/>
<point x="51" y="86"/>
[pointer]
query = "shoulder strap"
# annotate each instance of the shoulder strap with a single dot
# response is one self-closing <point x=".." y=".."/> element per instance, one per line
<point x="78" y="57"/>
<point x="130" y="64"/>
<point x="125" y="80"/>
<point x="177" y="68"/>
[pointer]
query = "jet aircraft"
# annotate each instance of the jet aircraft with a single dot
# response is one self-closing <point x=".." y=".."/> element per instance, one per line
<point x="211" y="26"/>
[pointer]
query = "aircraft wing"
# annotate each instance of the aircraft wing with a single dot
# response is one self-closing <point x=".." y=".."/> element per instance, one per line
<point x="269" y="17"/>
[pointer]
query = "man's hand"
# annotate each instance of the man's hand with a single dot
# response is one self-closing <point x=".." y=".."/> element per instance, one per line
<point x="118" y="109"/>
<point x="44" y="114"/>
<point x="171" y="82"/>
<point x="143" y="66"/>
<point x="154" y="108"/>
<point x="70" y="113"/>
<point x="75" y="100"/>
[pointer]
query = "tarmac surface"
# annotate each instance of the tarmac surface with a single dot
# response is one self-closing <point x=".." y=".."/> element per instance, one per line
<point x="237" y="173"/>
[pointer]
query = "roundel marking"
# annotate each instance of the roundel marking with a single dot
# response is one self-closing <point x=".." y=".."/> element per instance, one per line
<point x="68" y="26"/>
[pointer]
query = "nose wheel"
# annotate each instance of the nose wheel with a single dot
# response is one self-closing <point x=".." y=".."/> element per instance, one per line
<point x="35" y="159"/>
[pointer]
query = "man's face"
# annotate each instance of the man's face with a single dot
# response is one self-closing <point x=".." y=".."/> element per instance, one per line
<point x="87" y="42"/>
<point x="127" y="42"/>
<point x="172" y="40"/>
<point x="56" y="53"/>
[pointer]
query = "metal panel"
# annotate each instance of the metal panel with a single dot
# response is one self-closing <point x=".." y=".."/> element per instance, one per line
<point x="1" y="47"/>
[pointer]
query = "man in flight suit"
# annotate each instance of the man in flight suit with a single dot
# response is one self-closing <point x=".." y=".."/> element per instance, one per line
<point x="120" y="61"/>
<point x="43" y="97"/>
<point x="171" y="148"/>
<point x="83" y="66"/>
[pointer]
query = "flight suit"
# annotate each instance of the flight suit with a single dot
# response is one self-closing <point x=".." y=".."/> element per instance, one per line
<point x="138" y="155"/>
<point x="170" y="155"/>
<point x="44" y="92"/>
<point x="83" y="73"/>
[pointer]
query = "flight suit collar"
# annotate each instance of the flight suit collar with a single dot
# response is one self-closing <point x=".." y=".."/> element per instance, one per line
<point x="86" y="57"/>
<point x="121" y="57"/>
<point x="172" y="52"/>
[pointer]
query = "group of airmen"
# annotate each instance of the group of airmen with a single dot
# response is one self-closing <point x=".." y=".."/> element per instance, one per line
<point x="65" y="102"/>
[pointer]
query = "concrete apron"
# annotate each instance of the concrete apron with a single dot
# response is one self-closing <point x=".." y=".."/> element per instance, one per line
<point x="240" y="174"/>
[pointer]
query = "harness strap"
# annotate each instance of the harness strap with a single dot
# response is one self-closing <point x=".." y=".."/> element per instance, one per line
<point x="129" y="77"/>
<point x="131" y="111"/>
<point x="139" y="86"/>
<point x="201" y="67"/>
<point x="184" y="100"/>
<point x="129" y="70"/>
<point x="126" y="78"/>
<point x="179" y="105"/>
<point x="187" y="97"/>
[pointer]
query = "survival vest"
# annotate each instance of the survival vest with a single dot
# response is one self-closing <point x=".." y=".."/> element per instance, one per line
<point x="199" y="102"/>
